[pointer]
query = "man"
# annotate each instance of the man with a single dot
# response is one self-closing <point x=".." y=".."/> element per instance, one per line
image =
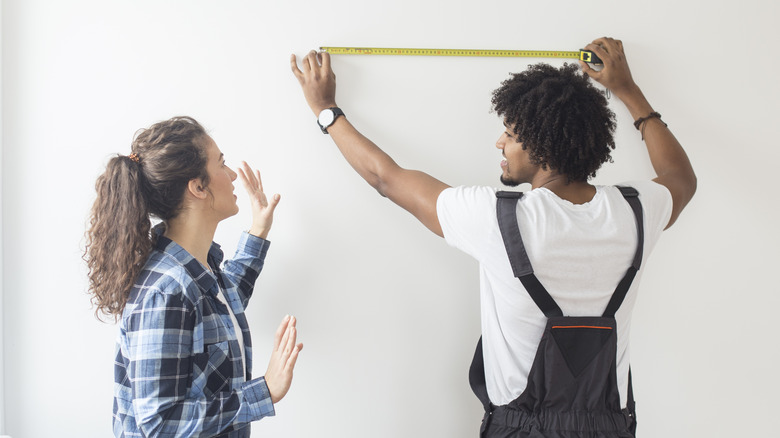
<point x="582" y="240"/>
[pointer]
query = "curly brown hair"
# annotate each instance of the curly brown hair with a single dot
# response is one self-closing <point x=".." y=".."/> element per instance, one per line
<point x="560" y="117"/>
<point x="150" y="182"/>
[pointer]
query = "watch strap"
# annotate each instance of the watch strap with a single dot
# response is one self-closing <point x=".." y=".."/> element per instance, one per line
<point x="336" y="113"/>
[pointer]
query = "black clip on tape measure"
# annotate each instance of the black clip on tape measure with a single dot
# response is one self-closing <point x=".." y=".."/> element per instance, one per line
<point x="588" y="56"/>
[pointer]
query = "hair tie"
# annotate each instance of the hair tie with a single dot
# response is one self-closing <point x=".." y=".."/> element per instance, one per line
<point x="135" y="158"/>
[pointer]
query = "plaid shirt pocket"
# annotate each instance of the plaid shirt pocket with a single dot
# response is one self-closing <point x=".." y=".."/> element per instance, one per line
<point x="212" y="370"/>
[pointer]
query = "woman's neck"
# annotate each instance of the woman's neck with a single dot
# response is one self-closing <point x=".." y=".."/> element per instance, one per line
<point x="192" y="233"/>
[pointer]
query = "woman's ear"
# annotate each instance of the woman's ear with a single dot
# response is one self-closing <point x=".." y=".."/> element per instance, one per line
<point x="197" y="188"/>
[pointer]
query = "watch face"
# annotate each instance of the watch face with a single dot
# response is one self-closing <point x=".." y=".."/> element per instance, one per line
<point x="326" y="117"/>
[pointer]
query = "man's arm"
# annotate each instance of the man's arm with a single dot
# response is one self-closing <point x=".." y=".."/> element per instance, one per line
<point x="414" y="191"/>
<point x="669" y="160"/>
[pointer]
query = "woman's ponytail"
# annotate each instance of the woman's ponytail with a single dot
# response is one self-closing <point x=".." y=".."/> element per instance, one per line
<point x="118" y="238"/>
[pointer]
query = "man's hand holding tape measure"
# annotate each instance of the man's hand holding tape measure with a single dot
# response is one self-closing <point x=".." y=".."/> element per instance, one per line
<point x="615" y="75"/>
<point x="417" y="192"/>
<point x="319" y="82"/>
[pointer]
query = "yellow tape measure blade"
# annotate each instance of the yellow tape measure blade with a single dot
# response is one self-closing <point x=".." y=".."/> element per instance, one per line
<point x="453" y="52"/>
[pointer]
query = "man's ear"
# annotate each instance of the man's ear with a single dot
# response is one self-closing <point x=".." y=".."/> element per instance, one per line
<point x="197" y="188"/>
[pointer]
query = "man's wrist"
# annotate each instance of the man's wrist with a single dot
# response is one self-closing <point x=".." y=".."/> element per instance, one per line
<point x="317" y="108"/>
<point x="328" y="117"/>
<point x="635" y="101"/>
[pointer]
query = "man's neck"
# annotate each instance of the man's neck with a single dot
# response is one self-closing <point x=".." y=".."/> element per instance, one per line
<point x="577" y="192"/>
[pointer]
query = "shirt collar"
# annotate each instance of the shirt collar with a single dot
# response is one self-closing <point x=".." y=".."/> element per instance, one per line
<point x="202" y="276"/>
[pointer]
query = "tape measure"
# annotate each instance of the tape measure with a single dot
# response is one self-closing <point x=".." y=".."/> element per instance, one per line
<point x="583" y="55"/>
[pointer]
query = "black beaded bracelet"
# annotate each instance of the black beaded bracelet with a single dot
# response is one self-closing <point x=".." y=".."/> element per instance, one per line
<point x="653" y="114"/>
<point x="639" y="122"/>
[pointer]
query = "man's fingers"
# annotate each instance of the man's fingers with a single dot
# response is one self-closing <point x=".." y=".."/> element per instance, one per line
<point x="325" y="56"/>
<point x="587" y="69"/>
<point x="294" y="67"/>
<point x="603" y="41"/>
<point x="305" y="66"/>
<point x="310" y="62"/>
<point x="607" y="45"/>
<point x="600" y="52"/>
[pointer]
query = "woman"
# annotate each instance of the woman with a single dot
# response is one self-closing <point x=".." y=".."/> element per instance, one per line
<point x="183" y="361"/>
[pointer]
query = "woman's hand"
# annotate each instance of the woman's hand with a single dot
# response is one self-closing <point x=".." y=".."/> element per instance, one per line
<point x="279" y="375"/>
<point x="262" y="208"/>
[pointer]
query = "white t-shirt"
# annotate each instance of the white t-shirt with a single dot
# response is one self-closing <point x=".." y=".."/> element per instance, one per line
<point x="579" y="252"/>
<point x="239" y="335"/>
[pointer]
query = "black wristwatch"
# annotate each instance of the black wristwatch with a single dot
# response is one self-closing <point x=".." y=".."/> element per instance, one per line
<point x="327" y="117"/>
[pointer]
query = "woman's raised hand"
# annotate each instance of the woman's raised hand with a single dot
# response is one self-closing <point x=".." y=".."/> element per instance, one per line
<point x="262" y="208"/>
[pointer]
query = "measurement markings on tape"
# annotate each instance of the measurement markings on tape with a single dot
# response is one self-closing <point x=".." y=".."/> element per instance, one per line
<point x="584" y="55"/>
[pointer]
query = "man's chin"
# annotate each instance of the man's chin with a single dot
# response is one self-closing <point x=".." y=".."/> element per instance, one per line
<point x="508" y="182"/>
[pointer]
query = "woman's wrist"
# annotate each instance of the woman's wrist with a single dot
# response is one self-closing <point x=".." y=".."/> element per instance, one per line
<point x="260" y="232"/>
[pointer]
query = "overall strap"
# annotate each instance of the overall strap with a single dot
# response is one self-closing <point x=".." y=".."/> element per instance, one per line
<point x="631" y="404"/>
<point x="506" y="209"/>
<point x="632" y="197"/>
<point x="477" y="377"/>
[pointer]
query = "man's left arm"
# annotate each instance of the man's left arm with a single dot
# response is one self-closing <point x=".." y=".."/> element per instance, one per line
<point x="414" y="191"/>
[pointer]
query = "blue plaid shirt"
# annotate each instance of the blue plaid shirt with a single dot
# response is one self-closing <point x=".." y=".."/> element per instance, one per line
<point x="178" y="363"/>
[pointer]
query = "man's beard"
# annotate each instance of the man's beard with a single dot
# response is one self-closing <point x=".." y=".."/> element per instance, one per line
<point x="508" y="182"/>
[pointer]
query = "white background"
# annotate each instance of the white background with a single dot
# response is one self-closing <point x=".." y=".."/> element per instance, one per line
<point x="387" y="311"/>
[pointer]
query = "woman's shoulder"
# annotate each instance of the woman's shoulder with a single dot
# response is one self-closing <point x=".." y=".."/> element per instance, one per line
<point x="164" y="274"/>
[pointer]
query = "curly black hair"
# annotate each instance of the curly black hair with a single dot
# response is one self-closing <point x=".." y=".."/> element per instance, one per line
<point x="561" y="118"/>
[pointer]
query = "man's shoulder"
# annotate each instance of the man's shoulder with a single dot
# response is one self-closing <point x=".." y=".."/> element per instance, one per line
<point x="465" y="213"/>
<point x="651" y="193"/>
<point x="656" y="203"/>
<point x="468" y="194"/>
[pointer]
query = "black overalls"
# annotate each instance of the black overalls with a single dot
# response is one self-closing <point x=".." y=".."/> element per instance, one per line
<point x="572" y="386"/>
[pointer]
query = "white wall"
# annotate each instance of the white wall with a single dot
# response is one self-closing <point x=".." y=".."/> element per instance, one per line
<point x="2" y="311"/>
<point x="388" y="312"/>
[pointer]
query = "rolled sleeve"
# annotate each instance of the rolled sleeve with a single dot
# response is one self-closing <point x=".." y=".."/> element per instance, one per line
<point x="252" y="246"/>
<point x="244" y="268"/>
<point x="258" y="397"/>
